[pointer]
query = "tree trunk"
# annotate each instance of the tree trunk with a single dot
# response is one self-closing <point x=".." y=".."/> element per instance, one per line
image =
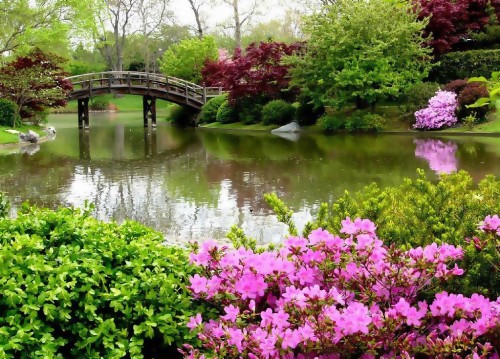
<point x="237" y="24"/>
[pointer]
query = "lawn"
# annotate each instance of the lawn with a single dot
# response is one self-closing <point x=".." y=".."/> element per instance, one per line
<point x="127" y="103"/>
<point x="12" y="138"/>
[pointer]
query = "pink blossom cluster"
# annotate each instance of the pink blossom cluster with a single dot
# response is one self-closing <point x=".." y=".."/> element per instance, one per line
<point x="330" y="296"/>
<point x="491" y="224"/>
<point x="439" y="154"/>
<point x="440" y="112"/>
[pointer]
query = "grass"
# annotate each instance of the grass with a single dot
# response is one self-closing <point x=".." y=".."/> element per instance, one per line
<point x="239" y="126"/>
<point x="6" y="138"/>
<point x="492" y="125"/>
<point x="127" y="103"/>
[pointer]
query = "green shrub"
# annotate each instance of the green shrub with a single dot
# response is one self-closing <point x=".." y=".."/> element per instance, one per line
<point x="465" y="64"/>
<point x="181" y="116"/>
<point x="417" y="96"/>
<point x="4" y="205"/>
<point x="420" y="212"/>
<point x="306" y="114"/>
<point x="250" y="115"/>
<point x="99" y="104"/>
<point x="357" y="122"/>
<point x="226" y="113"/>
<point x="209" y="110"/>
<point x="277" y="112"/>
<point x="7" y="112"/>
<point x="75" y="287"/>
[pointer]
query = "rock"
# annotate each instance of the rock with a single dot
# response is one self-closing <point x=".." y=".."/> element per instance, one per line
<point x="291" y="127"/>
<point x="15" y="132"/>
<point x="50" y="130"/>
<point x="29" y="136"/>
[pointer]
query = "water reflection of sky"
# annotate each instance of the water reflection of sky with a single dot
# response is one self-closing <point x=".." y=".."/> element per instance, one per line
<point x="197" y="184"/>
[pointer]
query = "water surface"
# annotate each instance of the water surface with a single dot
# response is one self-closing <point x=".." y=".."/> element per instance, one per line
<point x="196" y="183"/>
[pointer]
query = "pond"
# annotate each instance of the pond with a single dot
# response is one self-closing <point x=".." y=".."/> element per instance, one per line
<point x="196" y="183"/>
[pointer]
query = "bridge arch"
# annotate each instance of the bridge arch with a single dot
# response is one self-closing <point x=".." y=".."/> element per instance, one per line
<point x="150" y="86"/>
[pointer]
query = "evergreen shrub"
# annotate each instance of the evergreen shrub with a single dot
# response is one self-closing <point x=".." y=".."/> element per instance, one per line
<point x="209" y="110"/>
<point x="4" y="205"/>
<point x="99" y="104"/>
<point x="181" y="116"/>
<point x="277" y="112"/>
<point x="7" y="112"/>
<point x="75" y="287"/>
<point x="464" y="64"/>
<point x="226" y="113"/>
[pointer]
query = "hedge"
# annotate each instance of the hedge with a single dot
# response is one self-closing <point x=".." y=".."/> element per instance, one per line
<point x="465" y="64"/>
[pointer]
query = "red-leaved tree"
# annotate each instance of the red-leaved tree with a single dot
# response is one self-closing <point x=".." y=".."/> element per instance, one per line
<point x="258" y="71"/>
<point x="450" y="21"/>
<point x="34" y="82"/>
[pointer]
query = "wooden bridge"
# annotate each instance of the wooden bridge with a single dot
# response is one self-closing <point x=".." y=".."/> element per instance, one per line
<point x="150" y="86"/>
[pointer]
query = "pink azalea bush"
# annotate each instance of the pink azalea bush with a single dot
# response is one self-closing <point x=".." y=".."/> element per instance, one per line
<point x="439" y="114"/>
<point x="329" y="296"/>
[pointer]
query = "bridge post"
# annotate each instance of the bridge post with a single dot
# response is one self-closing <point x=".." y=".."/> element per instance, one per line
<point x="83" y="113"/>
<point x="149" y="110"/>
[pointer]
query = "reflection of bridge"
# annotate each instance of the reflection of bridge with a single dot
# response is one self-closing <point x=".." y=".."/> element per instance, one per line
<point x="149" y="86"/>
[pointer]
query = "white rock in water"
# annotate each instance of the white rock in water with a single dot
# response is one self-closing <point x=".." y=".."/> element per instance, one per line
<point x="51" y="130"/>
<point x="291" y="127"/>
<point x="29" y="136"/>
<point x="15" y="132"/>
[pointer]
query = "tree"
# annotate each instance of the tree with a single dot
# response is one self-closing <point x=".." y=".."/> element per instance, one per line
<point x="274" y="30"/>
<point x="116" y="14"/>
<point x="34" y="82"/>
<point x="241" y="16"/>
<point x="152" y="14"/>
<point x="361" y="51"/>
<point x="259" y="71"/>
<point x="43" y="23"/>
<point x="186" y="59"/>
<point x="452" y="21"/>
<point x="195" y="6"/>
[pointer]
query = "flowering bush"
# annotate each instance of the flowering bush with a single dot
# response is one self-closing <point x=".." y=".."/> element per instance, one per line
<point x="331" y="296"/>
<point x="440" y="112"/>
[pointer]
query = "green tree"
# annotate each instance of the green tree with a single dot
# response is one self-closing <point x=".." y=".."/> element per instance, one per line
<point x="42" y="23"/>
<point x="361" y="52"/>
<point x="185" y="59"/>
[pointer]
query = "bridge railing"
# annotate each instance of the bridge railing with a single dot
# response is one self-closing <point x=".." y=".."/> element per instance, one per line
<point x="116" y="79"/>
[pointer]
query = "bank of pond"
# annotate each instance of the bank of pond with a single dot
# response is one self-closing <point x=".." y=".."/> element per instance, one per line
<point x="74" y="286"/>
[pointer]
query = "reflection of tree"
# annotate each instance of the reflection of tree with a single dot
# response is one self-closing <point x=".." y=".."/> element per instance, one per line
<point x="439" y="154"/>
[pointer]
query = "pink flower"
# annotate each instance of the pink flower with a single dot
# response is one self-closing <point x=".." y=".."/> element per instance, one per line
<point x="194" y="322"/>
<point x="232" y="313"/>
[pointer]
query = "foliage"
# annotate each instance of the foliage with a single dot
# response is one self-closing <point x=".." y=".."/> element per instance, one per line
<point x="306" y="113"/>
<point x="465" y="64"/>
<point x="329" y="296"/>
<point x="251" y="114"/>
<point x="40" y="117"/>
<point x="185" y="59"/>
<point x="372" y="52"/>
<point x="4" y="205"/>
<point x="417" y="96"/>
<point x="226" y="113"/>
<point x="99" y="104"/>
<point x="73" y="286"/>
<point x="277" y="112"/>
<point x="467" y="94"/>
<point x="258" y="71"/>
<point x="34" y="82"/>
<point x="181" y="116"/>
<point x="209" y="110"/>
<point x="421" y="211"/>
<point x="8" y="113"/>
<point x="358" y="121"/>
<point x="493" y="86"/>
<point x="452" y="21"/>
<point x="439" y="114"/>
